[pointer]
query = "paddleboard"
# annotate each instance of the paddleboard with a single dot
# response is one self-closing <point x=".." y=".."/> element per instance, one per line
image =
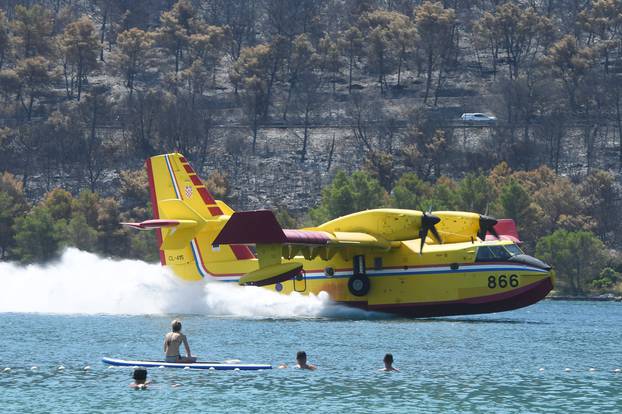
<point x="196" y="365"/>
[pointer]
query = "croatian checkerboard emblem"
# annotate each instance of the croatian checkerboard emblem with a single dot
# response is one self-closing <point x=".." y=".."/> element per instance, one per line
<point x="188" y="191"/>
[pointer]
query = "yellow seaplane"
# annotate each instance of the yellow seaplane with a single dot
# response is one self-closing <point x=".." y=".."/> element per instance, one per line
<point x="406" y="262"/>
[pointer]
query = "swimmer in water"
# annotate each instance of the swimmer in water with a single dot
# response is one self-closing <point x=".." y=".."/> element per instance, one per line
<point x="140" y="379"/>
<point x="172" y="341"/>
<point x="388" y="363"/>
<point x="301" y="359"/>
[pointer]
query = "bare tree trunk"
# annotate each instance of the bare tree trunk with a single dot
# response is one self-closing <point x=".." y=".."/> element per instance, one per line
<point x="306" y="135"/>
<point x="619" y="124"/>
<point x="428" y="81"/>
<point x="255" y="127"/>
<point x="350" y="73"/>
<point x="399" y="69"/>
<point x="103" y="33"/>
<point x="330" y="153"/>
<point x="66" y="80"/>
<point x="91" y="148"/>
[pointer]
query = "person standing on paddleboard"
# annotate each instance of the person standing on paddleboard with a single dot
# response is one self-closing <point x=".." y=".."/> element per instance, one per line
<point x="172" y="341"/>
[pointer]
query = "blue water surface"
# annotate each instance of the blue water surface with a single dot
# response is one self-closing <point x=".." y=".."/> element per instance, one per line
<point x="553" y="357"/>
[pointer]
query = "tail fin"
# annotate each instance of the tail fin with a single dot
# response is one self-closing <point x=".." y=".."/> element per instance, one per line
<point x="178" y="195"/>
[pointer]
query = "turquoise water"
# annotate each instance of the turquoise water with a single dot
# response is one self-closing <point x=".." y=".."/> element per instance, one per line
<point x="508" y="362"/>
<point x="486" y="363"/>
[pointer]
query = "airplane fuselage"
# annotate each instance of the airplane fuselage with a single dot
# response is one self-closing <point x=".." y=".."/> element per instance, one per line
<point x="443" y="280"/>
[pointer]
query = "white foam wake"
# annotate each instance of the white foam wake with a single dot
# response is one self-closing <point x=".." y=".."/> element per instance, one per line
<point x="83" y="283"/>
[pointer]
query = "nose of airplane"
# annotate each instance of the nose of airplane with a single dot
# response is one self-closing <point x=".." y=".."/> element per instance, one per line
<point x="531" y="261"/>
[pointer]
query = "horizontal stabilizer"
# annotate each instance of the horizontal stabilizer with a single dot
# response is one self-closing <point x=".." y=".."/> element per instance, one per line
<point x="152" y="224"/>
<point x="506" y="229"/>
<point x="270" y="275"/>
<point x="182" y="231"/>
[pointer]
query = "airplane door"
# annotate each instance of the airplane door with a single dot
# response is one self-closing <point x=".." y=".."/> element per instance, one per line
<point x="300" y="281"/>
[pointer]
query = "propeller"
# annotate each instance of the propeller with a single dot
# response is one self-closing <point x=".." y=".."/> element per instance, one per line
<point x="428" y="221"/>
<point x="487" y="225"/>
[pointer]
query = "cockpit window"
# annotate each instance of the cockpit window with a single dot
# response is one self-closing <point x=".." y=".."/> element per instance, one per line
<point x="513" y="249"/>
<point x="492" y="254"/>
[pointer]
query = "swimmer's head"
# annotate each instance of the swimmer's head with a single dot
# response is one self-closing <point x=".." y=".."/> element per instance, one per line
<point x="140" y="374"/>
<point x="301" y="356"/>
<point x="388" y="359"/>
<point x="176" y="325"/>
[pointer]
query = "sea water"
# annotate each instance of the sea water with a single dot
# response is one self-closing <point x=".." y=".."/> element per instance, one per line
<point x="58" y="321"/>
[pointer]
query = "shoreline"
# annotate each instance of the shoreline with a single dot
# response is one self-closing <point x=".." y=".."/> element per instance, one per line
<point x="600" y="298"/>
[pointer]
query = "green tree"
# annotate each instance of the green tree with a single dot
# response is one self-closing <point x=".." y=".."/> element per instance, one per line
<point x="522" y="32"/>
<point x="424" y="148"/>
<point x="570" y="63"/>
<point x="80" y="47"/>
<point x="132" y="55"/>
<point x="436" y="29"/>
<point x="134" y="188"/>
<point x="488" y="34"/>
<point x="87" y="205"/>
<point x="389" y="37"/>
<point x="602" y="20"/>
<point x="284" y="218"/>
<point x="600" y="194"/>
<point x="34" y="81"/>
<point x="444" y="195"/>
<point x="176" y="27"/>
<point x="37" y="236"/>
<point x="208" y="46"/>
<point x="330" y="59"/>
<point x="111" y="238"/>
<point x="411" y="192"/>
<point x="476" y="193"/>
<point x="556" y="199"/>
<point x="514" y="202"/>
<point x="346" y="195"/>
<point x="350" y="44"/>
<point x="12" y="205"/>
<point x="143" y="246"/>
<point x="59" y="203"/>
<point x="5" y="38"/>
<point x="96" y="153"/>
<point x="606" y="279"/>
<point x="79" y="234"/>
<point x="577" y="258"/>
<point x="32" y="28"/>
<point x="252" y="73"/>
<point x="303" y="62"/>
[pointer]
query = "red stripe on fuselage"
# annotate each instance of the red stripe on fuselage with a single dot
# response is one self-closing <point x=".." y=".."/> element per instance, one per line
<point x="154" y="206"/>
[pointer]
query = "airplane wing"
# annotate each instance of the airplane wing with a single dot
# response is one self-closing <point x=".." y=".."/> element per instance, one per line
<point x="260" y="227"/>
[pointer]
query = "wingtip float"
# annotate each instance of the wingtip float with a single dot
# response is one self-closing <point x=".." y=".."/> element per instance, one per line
<point x="407" y="262"/>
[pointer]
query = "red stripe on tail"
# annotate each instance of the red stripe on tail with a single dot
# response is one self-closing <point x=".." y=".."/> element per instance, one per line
<point x="154" y="206"/>
<point x="207" y="197"/>
<point x="215" y="211"/>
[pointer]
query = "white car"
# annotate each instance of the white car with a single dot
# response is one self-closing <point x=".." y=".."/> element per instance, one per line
<point x="477" y="117"/>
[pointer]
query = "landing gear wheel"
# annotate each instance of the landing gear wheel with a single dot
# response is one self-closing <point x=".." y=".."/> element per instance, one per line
<point x="359" y="285"/>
